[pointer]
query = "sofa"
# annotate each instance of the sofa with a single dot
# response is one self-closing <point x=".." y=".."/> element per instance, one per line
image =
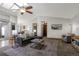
<point x="24" y="41"/>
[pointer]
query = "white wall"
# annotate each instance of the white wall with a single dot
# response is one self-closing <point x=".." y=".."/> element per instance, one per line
<point x="66" y="26"/>
<point x="75" y="24"/>
<point x="27" y="20"/>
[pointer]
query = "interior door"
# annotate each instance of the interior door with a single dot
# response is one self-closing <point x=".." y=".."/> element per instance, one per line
<point x="44" y="29"/>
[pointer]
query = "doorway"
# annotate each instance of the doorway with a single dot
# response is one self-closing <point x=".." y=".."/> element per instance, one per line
<point x="45" y="30"/>
<point x="34" y="26"/>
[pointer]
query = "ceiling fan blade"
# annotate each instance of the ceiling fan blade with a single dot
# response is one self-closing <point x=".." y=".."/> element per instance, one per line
<point x="29" y="12"/>
<point x="17" y="5"/>
<point x="29" y="7"/>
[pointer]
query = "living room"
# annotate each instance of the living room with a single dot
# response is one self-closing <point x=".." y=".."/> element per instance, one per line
<point x="39" y="31"/>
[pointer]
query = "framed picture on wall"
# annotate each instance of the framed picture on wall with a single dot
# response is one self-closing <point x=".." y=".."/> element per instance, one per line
<point x="56" y="26"/>
<point x="13" y="26"/>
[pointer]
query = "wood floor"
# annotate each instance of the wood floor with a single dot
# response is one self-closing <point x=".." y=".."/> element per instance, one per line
<point x="4" y="43"/>
<point x="54" y="47"/>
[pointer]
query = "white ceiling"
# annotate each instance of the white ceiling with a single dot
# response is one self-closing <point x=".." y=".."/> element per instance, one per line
<point x="65" y="10"/>
<point x="56" y="9"/>
<point x="12" y="5"/>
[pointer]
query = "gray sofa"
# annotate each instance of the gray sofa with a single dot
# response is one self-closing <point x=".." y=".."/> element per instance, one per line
<point x="23" y="41"/>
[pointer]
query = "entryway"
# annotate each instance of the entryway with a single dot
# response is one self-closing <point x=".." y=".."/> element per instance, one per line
<point x="44" y="29"/>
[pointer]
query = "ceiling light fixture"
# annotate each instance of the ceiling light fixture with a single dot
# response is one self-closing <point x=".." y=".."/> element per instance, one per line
<point x="22" y="10"/>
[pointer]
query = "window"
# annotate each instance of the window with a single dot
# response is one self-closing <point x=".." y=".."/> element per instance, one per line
<point x="3" y="31"/>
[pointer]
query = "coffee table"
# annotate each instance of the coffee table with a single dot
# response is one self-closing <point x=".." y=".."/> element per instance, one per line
<point x="37" y="43"/>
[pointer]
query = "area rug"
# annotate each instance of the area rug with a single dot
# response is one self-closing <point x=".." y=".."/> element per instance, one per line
<point x="50" y="50"/>
<point x="15" y="51"/>
<point x="2" y="51"/>
<point x="38" y="46"/>
<point x="28" y="52"/>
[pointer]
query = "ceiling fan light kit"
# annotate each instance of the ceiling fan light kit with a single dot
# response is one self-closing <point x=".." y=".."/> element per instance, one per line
<point x="22" y="10"/>
<point x="22" y="13"/>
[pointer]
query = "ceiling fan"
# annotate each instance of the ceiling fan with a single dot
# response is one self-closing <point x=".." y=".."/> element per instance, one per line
<point x="24" y="9"/>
